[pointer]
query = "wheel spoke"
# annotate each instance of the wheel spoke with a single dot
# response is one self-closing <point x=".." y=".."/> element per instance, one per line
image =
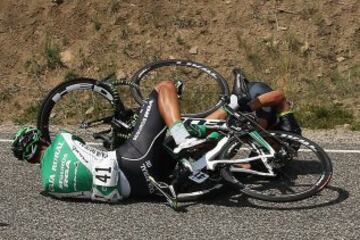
<point x="203" y="86"/>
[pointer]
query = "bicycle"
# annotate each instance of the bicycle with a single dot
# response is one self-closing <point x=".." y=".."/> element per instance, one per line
<point x="274" y="153"/>
<point x="104" y="115"/>
<point x="289" y="167"/>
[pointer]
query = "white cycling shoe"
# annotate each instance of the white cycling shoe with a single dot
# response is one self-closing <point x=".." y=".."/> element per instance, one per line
<point x="189" y="143"/>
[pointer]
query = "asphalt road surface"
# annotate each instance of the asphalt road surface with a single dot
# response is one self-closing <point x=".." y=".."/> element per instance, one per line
<point x="333" y="214"/>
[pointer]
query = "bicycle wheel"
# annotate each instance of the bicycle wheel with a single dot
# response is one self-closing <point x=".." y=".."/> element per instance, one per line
<point x="82" y="106"/>
<point x="300" y="177"/>
<point x="203" y="86"/>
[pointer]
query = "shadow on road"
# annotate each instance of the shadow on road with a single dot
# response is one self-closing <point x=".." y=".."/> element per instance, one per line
<point x="231" y="199"/>
<point x="227" y="197"/>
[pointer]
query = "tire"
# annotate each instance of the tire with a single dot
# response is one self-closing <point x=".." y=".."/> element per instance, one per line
<point x="219" y="86"/>
<point x="297" y="179"/>
<point x="87" y="97"/>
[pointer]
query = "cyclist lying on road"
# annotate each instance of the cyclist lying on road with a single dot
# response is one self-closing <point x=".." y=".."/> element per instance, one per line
<point x="271" y="106"/>
<point x="69" y="168"/>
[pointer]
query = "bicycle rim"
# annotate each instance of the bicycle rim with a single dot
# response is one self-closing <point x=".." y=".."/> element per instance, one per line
<point x="203" y="86"/>
<point x="301" y="177"/>
<point x="74" y="104"/>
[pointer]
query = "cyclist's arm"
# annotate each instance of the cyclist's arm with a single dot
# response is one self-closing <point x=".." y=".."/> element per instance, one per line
<point x="274" y="98"/>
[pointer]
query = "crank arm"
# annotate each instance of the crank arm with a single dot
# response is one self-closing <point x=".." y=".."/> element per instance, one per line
<point x="225" y="173"/>
<point x="172" y="200"/>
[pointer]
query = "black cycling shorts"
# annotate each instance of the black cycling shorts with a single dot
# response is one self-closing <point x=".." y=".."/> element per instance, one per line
<point x="143" y="155"/>
<point x="268" y="113"/>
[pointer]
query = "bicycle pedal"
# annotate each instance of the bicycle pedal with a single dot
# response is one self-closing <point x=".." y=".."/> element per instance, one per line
<point x="227" y="175"/>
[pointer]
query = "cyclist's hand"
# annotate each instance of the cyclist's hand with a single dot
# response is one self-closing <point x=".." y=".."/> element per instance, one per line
<point x="244" y="104"/>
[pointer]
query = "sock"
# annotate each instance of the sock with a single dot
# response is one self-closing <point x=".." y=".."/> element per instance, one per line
<point x="234" y="105"/>
<point x="179" y="132"/>
<point x="284" y="113"/>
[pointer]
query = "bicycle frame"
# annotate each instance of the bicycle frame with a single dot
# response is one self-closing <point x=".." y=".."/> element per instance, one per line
<point x="209" y="161"/>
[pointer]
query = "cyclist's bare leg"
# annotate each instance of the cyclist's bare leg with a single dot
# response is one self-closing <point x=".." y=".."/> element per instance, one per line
<point x="286" y="118"/>
<point x="169" y="110"/>
<point x="168" y="102"/>
<point x="270" y="99"/>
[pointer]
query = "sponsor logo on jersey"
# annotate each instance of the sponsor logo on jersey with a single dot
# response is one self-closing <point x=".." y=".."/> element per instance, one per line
<point x="144" y="168"/>
<point x="52" y="183"/>
<point x="144" y="120"/>
<point x="79" y="154"/>
<point x="64" y="172"/>
<point x="94" y="151"/>
<point x="56" y="156"/>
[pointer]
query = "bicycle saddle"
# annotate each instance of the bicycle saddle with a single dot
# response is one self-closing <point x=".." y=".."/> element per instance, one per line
<point x="240" y="87"/>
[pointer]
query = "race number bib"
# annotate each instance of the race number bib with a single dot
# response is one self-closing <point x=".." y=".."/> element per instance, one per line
<point x="105" y="172"/>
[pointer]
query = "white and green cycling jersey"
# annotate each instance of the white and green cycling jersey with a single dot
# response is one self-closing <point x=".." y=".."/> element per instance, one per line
<point x="69" y="168"/>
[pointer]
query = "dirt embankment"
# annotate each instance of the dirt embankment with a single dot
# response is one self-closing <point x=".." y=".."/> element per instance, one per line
<point x="308" y="48"/>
